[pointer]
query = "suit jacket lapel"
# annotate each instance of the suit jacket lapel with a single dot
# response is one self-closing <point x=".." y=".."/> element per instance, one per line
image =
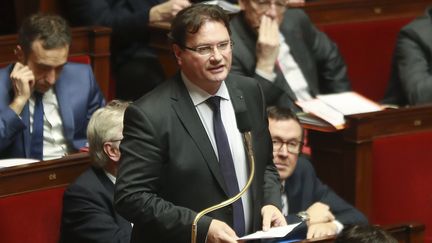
<point x="64" y="107"/>
<point x="185" y="110"/>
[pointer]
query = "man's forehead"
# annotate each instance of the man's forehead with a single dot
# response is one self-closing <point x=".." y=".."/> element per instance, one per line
<point x="222" y="33"/>
<point x="51" y="57"/>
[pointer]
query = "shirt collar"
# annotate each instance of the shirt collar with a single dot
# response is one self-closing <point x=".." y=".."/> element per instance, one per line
<point x="199" y="95"/>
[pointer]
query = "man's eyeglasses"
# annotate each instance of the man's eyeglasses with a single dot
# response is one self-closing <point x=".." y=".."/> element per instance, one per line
<point x="206" y="50"/>
<point x="264" y="5"/>
<point x="292" y="146"/>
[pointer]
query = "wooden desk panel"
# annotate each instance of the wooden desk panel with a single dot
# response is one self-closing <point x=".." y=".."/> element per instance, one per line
<point x="42" y="175"/>
<point x="343" y="159"/>
<point x="337" y="11"/>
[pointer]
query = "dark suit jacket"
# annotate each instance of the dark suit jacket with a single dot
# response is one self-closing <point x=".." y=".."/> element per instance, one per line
<point x="316" y="55"/>
<point x="78" y="96"/>
<point x="303" y="188"/>
<point x="411" y="76"/>
<point x="88" y="211"/>
<point x="169" y="170"/>
<point x="127" y="18"/>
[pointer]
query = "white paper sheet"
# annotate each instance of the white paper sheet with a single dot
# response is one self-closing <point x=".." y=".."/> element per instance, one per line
<point x="17" y="161"/>
<point x="275" y="232"/>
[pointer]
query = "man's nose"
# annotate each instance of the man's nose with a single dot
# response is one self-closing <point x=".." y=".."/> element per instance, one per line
<point x="272" y="11"/>
<point x="216" y="55"/>
<point x="51" y="76"/>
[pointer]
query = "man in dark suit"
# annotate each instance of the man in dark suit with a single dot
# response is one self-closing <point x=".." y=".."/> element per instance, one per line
<point x="285" y="52"/>
<point x="305" y="196"/>
<point x="175" y="154"/>
<point x="45" y="102"/>
<point x="135" y="64"/>
<point x="88" y="211"/>
<point x="411" y="76"/>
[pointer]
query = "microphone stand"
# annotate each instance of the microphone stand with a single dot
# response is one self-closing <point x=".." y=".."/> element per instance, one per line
<point x="247" y="138"/>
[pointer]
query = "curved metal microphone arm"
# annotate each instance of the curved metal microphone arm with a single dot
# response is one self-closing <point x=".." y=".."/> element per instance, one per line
<point x="247" y="138"/>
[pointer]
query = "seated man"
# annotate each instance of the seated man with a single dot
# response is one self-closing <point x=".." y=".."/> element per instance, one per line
<point x="45" y="102"/>
<point x="411" y="77"/>
<point x="305" y="197"/>
<point x="88" y="211"/>
<point x="285" y="52"/>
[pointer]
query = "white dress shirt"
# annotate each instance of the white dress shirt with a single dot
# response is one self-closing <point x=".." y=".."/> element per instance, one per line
<point x="55" y="144"/>
<point x="235" y="140"/>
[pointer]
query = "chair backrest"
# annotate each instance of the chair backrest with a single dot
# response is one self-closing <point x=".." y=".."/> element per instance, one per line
<point x="90" y="45"/>
<point x="402" y="181"/>
<point x="31" y="217"/>
<point x="367" y="48"/>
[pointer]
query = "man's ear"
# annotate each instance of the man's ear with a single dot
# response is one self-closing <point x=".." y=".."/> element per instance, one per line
<point x="177" y="52"/>
<point x="19" y="53"/>
<point x="112" y="151"/>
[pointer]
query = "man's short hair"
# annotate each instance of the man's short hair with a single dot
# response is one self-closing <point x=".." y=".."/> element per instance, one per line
<point x="281" y="113"/>
<point x="278" y="113"/>
<point x="106" y="124"/>
<point x="189" y="20"/>
<point x="52" y="30"/>
<point x="364" y="234"/>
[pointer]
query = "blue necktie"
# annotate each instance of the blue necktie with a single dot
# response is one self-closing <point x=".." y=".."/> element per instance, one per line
<point x="226" y="164"/>
<point x="36" y="143"/>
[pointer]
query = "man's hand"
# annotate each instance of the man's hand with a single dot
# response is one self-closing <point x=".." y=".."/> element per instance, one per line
<point x="220" y="232"/>
<point x="23" y="81"/>
<point x="267" y="49"/>
<point x="272" y="217"/>
<point x="319" y="213"/>
<point x="166" y="11"/>
<point x="321" y="229"/>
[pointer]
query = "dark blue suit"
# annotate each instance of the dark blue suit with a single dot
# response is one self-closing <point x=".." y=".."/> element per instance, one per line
<point x="303" y="188"/>
<point x="78" y="97"/>
<point x="88" y="211"/>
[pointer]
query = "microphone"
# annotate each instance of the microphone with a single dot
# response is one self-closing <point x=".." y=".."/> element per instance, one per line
<point x="245" y="127"/>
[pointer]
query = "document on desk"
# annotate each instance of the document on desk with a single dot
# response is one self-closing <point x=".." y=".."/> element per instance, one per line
<point x="275" y="232"/>
<point x="333" y="107"/>
<point x="17" y="161"/>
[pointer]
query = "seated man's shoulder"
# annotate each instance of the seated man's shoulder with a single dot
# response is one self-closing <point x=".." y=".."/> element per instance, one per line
<point x="88" y="177"/>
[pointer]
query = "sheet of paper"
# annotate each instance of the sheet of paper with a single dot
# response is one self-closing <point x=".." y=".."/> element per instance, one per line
<point x="14" y="162"/>
<point x="275" y="232"/>
<point x="323" y="111"/>
<point x="349" y="103"/>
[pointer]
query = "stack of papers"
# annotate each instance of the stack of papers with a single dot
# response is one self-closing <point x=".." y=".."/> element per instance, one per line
<point x="333" y="107"/>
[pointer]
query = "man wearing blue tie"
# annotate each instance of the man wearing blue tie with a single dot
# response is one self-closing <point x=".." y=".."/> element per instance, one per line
<point x="45" y="102"/>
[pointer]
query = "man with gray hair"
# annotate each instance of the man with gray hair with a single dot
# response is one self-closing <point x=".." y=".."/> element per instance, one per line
<point x="45" y="101"/>
<point x="88" y="212"/>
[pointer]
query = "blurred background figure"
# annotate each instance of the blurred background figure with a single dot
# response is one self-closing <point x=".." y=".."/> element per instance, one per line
<point x="135" y="65"/>
<point x="411" y="76"/>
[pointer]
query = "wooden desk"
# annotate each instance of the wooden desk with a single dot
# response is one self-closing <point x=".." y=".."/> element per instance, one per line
<point x="343" y="159"/>
<point x="337" y="11"/>
<point x="42" y="175"/>
<point x="93" y="42"/>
